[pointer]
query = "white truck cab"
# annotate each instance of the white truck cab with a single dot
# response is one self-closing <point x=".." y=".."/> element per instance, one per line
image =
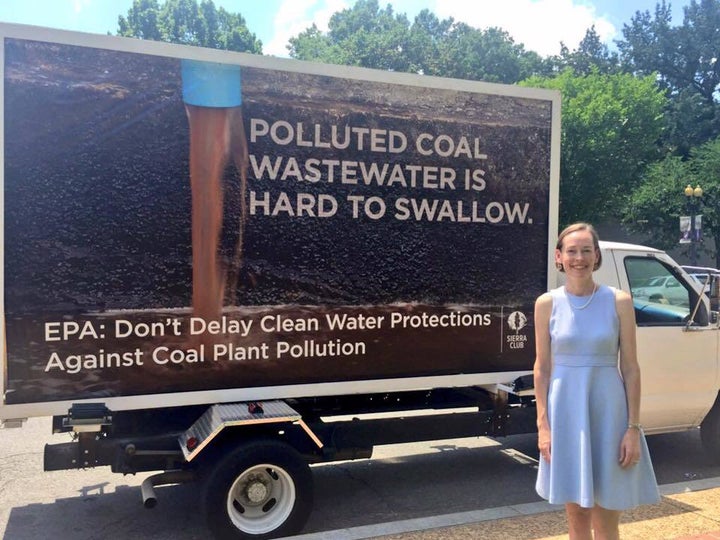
<point x="677" y="341"/>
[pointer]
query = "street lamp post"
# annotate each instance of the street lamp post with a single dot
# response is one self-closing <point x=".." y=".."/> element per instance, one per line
<point x="694" y="198"/>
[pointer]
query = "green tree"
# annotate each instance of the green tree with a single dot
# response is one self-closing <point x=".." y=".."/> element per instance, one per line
<point x="683" y="56"/>
<point x="655" y="207"/>
<point x="366" y="35"/>
<point x="141" y="21"/>
<point x="685" y="60"/>
<point x="485" y="55"/>
<point x="690" y="121"/>
<point x="705" y="169"/>
<point x="591" y="55"/>
<point x="312" y="44"/>
<point x="610" y="128"/>
<point x="428" y="37"/>
<point x="189" y="23"/>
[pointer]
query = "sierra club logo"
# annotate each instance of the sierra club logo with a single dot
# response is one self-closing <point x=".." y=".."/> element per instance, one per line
<point x="517" y="320"/>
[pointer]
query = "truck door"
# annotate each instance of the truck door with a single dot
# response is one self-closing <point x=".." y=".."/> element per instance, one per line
<point x="678" y="361"/>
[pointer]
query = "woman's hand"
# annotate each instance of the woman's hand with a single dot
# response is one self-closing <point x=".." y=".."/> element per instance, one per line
<point x="544" y="443"/>
<point x="630" y="448"/>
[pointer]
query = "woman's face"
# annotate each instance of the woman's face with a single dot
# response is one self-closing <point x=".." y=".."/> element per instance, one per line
<point x="577" y="254"/>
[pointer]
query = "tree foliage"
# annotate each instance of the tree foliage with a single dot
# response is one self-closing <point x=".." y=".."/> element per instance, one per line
<point x="690" y="121"/>
<point x="591" y="55"/>
<point x="427" y="42"/>
<point x="610" y="124"/>
<point x="188" y="23"/>
<point x="705" y="171"/>
<point x="486" y="55"/>
<point x="655" y="207"/>
<point x="683" y="56"/>
<point x="686" y="61"/>
<point x="369" y="36"/>
<point x="363" y="35"/>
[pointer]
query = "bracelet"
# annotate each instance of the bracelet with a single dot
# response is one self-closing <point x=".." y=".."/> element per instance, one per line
<point x="635" y="426"/>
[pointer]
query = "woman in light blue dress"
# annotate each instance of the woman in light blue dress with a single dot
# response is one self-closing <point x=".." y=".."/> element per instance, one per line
<point x="593" y="454"/>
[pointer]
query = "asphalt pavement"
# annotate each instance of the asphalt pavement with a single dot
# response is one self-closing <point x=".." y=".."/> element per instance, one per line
<point x="688" y="511"/>
<point x="473" y="488"/>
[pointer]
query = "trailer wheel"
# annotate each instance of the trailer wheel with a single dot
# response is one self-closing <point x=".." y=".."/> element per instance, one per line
<point x="710" y="432"/>
<point x="262" y="489"/>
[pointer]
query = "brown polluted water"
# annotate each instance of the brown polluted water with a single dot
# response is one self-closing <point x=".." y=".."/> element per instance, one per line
<point x="216" y="136"/>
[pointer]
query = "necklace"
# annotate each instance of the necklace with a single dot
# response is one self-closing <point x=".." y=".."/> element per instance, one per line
<point x="586" y="304"/>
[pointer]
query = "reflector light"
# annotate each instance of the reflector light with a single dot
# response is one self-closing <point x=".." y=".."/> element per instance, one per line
<point x="191" y="443"/>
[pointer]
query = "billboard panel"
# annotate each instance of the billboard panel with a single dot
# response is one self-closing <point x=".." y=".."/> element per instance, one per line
<point x="175" y="225"/>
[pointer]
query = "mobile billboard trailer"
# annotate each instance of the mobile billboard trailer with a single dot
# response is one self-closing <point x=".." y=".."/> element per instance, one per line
<point x="207" y="254"/>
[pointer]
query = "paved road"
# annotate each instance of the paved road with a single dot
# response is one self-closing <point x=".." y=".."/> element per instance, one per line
<point x="400" y="482"/>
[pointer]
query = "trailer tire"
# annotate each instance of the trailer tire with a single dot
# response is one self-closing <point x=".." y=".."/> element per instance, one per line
<point x="261" y="489"/>
<point x="710" y="432"/>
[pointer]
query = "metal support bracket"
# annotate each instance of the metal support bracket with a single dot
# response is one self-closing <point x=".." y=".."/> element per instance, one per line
<point x="87" y="417"/>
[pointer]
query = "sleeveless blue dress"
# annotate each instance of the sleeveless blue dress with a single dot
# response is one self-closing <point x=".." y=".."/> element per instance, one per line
<point x="587" y="410"/>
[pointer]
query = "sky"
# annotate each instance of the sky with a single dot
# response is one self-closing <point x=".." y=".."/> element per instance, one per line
<point x="540" y="25"/>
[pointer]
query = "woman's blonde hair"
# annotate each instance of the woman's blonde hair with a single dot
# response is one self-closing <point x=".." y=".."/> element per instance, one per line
<point x="575" y="227"/>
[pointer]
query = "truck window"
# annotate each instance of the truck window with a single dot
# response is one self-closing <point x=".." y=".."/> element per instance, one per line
<point x="659" y="297"/>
